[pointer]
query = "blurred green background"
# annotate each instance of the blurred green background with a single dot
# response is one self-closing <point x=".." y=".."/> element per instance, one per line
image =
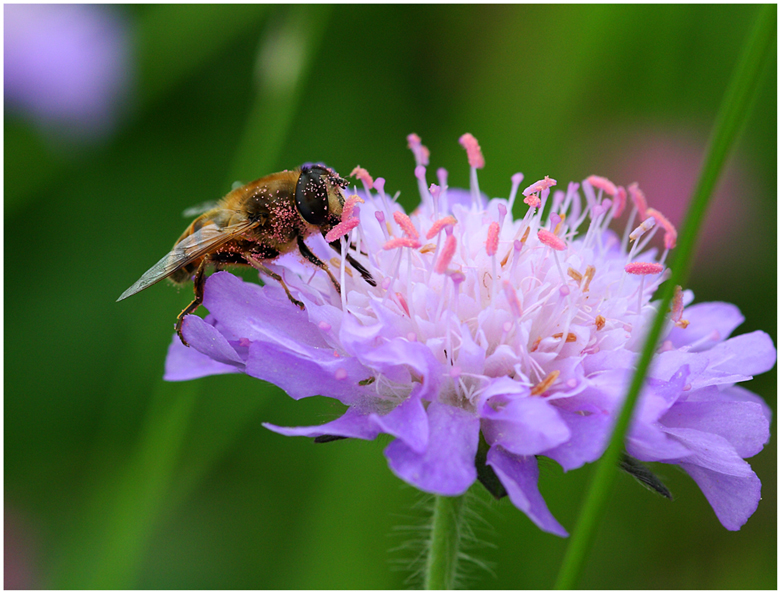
<point x="115" y="479"/>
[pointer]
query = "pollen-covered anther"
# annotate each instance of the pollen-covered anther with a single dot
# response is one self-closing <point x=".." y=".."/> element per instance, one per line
<point x="641" y="268"/>
<point x="437" y="226"/>
<point x="646" y="225"/>
<point x="535" y="345"/>
<point x="406" y="225"/>
<point x="533" y="201"/>
<point x="638" y="197"/>
<point x="600" y="322"/>
<point x="341" y="229"/>
<point x="363" y="175"/>
<point x="540" y="388"/>
<point x="420" y="151"/>
<point x="349" y="206"/>
<point x="336" y="263"/>
<point x="397" y="242"/>
<point x="574" y="275"/>
<point x="446" y="255"/>
<point x="428" y="248"/>
<point x="525" y="236"/>
<point x="620" y="201"/>
<point x="670" y="237"/>
<point x="558" y="225"/>
<point x="540" y="185"/>
<point x="590" y="272"/>
<point x="603" y="184"/>
<point x="491" y="245"/>
<point x="677" y="308"/>
<point x="473" y="151"/>
<point x="551" y="240"/>
<point x="570" y="337"/>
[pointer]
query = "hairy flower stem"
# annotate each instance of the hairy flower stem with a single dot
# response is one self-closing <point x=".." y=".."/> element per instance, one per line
<point x="442" y="563"/>
<point x="733" y="113"/>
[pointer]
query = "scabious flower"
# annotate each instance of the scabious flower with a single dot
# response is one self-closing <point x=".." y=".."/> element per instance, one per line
<point x="67" y="67"/>
<point x="489" y="341"/>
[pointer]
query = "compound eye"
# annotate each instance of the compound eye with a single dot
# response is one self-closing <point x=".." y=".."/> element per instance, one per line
<point x="311" y="195"/>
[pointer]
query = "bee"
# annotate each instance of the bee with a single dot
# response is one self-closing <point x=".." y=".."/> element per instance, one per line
<point x="255" y="224"/>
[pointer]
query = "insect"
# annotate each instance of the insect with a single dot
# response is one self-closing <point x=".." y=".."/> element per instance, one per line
<point x="252" y="225"/>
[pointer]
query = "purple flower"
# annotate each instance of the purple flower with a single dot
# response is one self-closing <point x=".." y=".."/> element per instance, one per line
<point x="66" y="66"/>
<point x="520" y="334"/>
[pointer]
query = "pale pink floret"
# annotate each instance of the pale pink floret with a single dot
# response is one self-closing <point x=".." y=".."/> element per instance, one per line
<point x="341" y="229"/>
<point x="540" y="185"/>
<point x="406" y="225"/>
<point x="551" y="240"/>
<point x="446" y="255"/>
<point x="363" y="175"/>
<point x="397" y="242"/>
<point x="420" y="151"/>
<point x="473" y="151"/>
<point x="642" y="268"/>
<point x="437" y="226"/>
<point x="491" y="245"/>
<point x="533" y="201"/>
<point x="638" y="197"/>
<point x="670" y="237"/>
<point x="603" y="184"/>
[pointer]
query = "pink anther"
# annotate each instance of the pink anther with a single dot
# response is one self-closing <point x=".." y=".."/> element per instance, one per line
<point x="421" y="152"/>
<point x="552" y="241"/>
<point x="349" y="206"/>
<point x="363" y="175"/>
<point x="491" y="245"/>
<point x="473" y="151"/>
<point x="396" y="242"/>
<point x="642" y="268"/>
<point x="540" y="185"/>
<point x="670" y="237"/>
<point x="533" y="201"/>
<point x="677" y="308"/>
<point x="341" y="229"/>
<point x="603" y="184"/>
<point x="437" y="226"/>
<point x="620" y="201"/>
<point x="406" y="225"/>
<point x="638" y="197"/>
<point x="446" y="255"/>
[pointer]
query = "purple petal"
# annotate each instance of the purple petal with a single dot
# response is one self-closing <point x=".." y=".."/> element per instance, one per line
<point x="256" y="312"/>
<point x="589" y="427"/>
<point x="207" y="339"/>
<point x="733" y="498"/>
<point x="308" y="371"/>
<point x="711" y="451"/>
<point x="407" y="422"/>
<point x="715" y="321"/>
<point x="184" y="364"/>
<point x="524" y="426"/>
<point x="737" y="393"/>
<point x="447" y="465"/>
<point x="742" y="424"/>
<point x="520" y="476"/>
<point x="748" y="354"/>
<point x="353" y="423"/>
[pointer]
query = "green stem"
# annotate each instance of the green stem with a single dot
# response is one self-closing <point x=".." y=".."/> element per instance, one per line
<point x="442" y="562"/>
<point x="732" y="115"/>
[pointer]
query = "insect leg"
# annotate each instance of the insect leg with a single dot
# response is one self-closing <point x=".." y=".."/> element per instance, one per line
<point x="198" y="283"/>
<point x="354" y="263"/>
<point x="306" y="252"/>
<point x="257" y="264"/>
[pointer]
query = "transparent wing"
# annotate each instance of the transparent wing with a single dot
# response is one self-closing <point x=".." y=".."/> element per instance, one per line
<point x="203" y="241"/>
<point x="199" y="209"/>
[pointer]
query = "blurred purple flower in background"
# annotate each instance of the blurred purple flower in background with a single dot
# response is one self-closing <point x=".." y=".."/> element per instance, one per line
<point x="68" y="68"/>
<point x="489" y="341"/>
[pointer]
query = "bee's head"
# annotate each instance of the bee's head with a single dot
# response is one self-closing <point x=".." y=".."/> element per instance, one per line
<point x="318" y="195"/>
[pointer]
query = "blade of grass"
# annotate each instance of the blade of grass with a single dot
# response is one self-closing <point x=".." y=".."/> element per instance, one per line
<point x="731" y="117"/>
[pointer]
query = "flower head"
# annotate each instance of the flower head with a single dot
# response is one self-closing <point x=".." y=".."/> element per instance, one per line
<point x="520" y="334"/>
